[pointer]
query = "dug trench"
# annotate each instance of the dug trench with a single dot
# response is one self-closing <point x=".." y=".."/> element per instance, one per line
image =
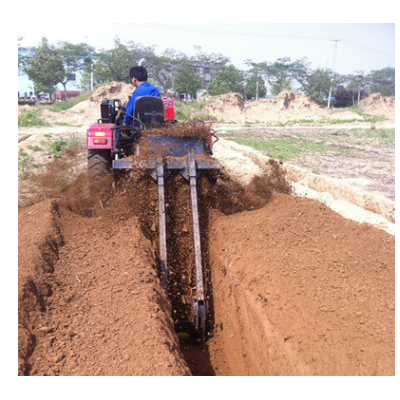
<point x="292" y="287"/>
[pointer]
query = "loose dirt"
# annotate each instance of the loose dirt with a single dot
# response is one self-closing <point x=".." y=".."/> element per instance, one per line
<point x="298" y="290"/>
<point x="293" y="287"/>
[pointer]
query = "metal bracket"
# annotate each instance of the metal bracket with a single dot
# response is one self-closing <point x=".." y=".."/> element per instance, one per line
<point x="190" y="169"/>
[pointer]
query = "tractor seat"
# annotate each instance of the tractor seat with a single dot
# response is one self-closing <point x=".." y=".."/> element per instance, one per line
<point x="149" y="110"/>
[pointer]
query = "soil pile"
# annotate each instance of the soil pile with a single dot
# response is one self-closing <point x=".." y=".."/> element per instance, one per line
<point x="376" y="104"/>
<point x="90" y="302"/>
<point x="226" y="107"/>
<point x="113" y="90"/>
<point x="298" y="290"/>
<point x="88" y="111"/>
<point x="287" y="106"/>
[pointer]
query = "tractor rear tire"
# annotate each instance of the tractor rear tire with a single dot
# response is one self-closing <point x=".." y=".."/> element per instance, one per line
<point x="98" y="164"/>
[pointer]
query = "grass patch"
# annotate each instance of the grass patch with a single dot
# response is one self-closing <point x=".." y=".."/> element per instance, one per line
<point x="31" y="118"/>
<point x="380" y="136"/>
<point x="49" y="178"/>
<point x="193" y="109"/>
<point x="365" y="118"/>
<point x="34" y="147"/>
<point x="71" y="146"/>
<point x="66" y="105"/>
<point x="56" y="148"/>
<point x="284" y="149"/>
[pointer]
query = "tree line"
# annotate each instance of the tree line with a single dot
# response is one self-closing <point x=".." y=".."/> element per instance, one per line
<point x="48" y="65"/>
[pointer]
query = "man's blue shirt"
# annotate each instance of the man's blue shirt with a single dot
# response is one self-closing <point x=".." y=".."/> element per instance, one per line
<point x="145" y="89"/>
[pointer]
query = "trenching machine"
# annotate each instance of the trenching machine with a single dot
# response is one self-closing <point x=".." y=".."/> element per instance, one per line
<point x="114" y="146"/>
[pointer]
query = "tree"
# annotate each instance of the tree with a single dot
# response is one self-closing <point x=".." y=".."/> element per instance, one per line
<point x="352" y="87"/>
<point x="382" y="81"/>
<point x="282" y="73"/>
<point x="163" y="68"/>
<point x="74" y="58"/>
<point x="345" y="97"/>
<point x="255" y="86"/>
<point x="355" y="84"/>
<point x="48" y="65"/>
<point x="44" y="67"/>
<point x="318" y="84"/>
<point x="186" y="80"/>
<point x="209" y="65"/>
<point x="114" y="64"/>
<point x="227" y="80"/>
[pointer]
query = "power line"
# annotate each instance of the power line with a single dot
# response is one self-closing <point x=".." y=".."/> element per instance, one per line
<point x="211" y="31"/>
<point x="350" y="43"/>
<point x="230" y="32"/>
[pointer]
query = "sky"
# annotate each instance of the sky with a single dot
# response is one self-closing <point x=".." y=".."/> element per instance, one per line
<point x="346" y="48"/>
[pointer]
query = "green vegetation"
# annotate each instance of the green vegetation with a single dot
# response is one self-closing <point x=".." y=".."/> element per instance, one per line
<point x="285" y="149"/>
<point x="34" y="148"/>
<point x="380" y="136"/>
<point x="25" y="165"/>
<point x="26" y="102"/>
<point x="31" y="118"/>
<point x="57" y="147"/>
<point x="66" y="105"/>
<point x="193" y="109"/>
<point x="341" y="142"/>
<point x="43" y="176"/>
<point x="366" y="118"/>
<point x="61" y="146"/>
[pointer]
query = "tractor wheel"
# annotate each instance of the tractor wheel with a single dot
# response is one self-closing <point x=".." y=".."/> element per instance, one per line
<point x="98" y="164"/>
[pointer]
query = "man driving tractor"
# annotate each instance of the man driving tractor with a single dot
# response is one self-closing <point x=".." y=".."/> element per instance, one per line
<point x="138" y="76"/>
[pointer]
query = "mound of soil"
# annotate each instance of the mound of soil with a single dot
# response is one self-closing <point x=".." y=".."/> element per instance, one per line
<point x="113" y="90"/>
<point x="90" y="302"/>
<point x="299" y="290"/>
<point x="88" y="111"/>
<point x="226" y="107"/>
<point x="287" y="106"/>
<point x="290" y="106"/>
<point x="376" y="104"/>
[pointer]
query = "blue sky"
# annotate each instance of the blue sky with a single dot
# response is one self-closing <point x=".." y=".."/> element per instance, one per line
<point x="359" y="46"/>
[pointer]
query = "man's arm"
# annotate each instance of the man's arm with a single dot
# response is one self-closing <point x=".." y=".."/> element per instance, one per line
<point x="129" y="109"/>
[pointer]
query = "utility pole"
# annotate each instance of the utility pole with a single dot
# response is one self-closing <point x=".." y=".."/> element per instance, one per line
<point x="333" y="70"/>
<point x="257" y="89"/>
<point x="360" y="77"/>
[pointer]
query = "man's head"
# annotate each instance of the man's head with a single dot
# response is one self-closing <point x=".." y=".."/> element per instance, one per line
<point x="138" y="75"/>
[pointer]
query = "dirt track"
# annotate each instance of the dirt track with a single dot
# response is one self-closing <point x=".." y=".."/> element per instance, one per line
<point x="294" y="288"/>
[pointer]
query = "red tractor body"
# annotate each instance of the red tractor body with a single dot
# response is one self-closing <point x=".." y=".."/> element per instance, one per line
<point x="100" y="136"/>
<point x="168" y="108"/>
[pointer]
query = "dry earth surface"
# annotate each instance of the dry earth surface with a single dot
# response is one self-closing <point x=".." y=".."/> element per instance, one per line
<point x="299" y="266"/>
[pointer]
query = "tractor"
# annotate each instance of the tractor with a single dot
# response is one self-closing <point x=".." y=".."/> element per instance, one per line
<point x="156" y="143"/>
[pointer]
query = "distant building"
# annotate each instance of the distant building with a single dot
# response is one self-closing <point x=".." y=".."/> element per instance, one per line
<point x="61" y="95"/>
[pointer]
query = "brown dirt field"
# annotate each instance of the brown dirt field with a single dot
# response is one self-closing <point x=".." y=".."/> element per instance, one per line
<point x="293" y="288"/>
